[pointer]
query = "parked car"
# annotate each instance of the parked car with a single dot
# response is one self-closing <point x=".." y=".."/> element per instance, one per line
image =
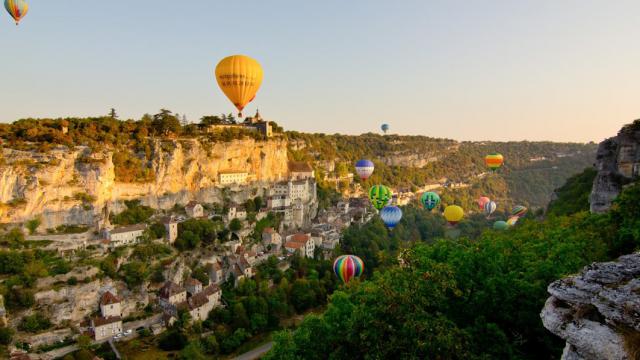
<point x="128" y="332"/>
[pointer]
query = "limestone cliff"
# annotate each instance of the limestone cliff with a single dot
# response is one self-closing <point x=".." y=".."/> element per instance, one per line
<point x="618" y="164"/>
<point x="77" y="186"/>
<point x="598" y="311"/>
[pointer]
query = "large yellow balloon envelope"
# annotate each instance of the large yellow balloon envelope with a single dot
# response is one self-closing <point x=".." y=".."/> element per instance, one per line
<point x="453" y="214"/>
<point x="239" y="77"/>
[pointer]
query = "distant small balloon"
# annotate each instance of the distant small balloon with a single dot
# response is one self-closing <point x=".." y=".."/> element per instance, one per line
<point x="453" y="214"/>
<point x="430" y="200"/>
<point x="494" y="161"/>
<point x="500" y="225"/>
<point x="364" y="168"/>
<point x="519" y="211"/>
<point x="380" y="196"/>
<point x="17" y="9"/>
<point x="346" y="267"/>
<point x="490" y="207"/>
<point x="513" y="220"/>
<point x="391" y="216"/>
<point x="481" y="201"/>
<point x="385" y="128"/>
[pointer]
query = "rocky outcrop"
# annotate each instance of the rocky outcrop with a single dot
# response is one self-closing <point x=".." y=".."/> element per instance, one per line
<point x="618" y="164"/>
<point x="597" y="311"/>
<point x="79" y="186"/>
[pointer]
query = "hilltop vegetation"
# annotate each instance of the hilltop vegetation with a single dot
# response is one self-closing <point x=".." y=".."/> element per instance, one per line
<point x="470" y="298"/>
<point x="531" y="172"/>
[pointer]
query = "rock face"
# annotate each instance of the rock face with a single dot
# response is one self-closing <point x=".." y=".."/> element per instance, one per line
<point x="78" y="187"/>
<point x="598" y="311"/>
<point x="618" y="164"/>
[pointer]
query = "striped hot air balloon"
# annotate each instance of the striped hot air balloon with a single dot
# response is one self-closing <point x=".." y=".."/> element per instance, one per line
<point x="512" y="220"/>
<point x="380" y="196"/>
<point x="430" y="200"/>
<point x="490" y="207"/>
<point x="519" y="211"/>
<point x="364" y="168"/>
<point x="385" y="128"/>
<point x="17" y="9"/>
<point x="494" y="161"/>
<point x="347" y="267"/>
<point x="391" y="216"/>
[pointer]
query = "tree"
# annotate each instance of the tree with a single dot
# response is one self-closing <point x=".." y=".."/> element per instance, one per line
<point x="84" y="342"/>
<point x="193" y="351"/>
<point x="235" y="225"/>
<point x="6" y="335"/>
<point x="165" y="122"/>
<point x="33" y="225"/>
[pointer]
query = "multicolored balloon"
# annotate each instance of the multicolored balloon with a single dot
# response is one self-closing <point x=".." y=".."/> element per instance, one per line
<point x="519" y="211"/>
<point x="391" y="216"/>
<point x="453" y="214"/>
<point x="364" y="168"/>
<point x="380" y="196"/>
<point x="347" y="267"/>
<point x="500" y="225"/>
<point x="430" y="200"/>
<point x="481" y="201"/>
<point x="490" y="207"/>
<point x="512" y="220"/>
<point x="384" y="128"/>
<point x="17" y="9"/>
<point x="494" y="161"/>
<point x="239" y="77"/>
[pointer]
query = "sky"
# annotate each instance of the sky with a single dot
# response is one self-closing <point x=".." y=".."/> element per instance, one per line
<point x="560" y="70"/>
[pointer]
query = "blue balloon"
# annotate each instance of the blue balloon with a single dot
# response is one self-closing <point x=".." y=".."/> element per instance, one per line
<point x="385" y="128"/>
<point x="391" y="216"/>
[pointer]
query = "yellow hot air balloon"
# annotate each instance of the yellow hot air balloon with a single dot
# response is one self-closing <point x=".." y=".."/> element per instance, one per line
<point x="453" y="214"/>
<point x="239" y="77"/>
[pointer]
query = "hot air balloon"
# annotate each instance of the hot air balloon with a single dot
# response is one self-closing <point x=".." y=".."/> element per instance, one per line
<point x="16" y="8"/>
<point x="380" y="196"/>
<point x="391" y="216"/>
<point x="430" y="200"/>
<point x="453" y="214"/>
<point x="347" y="267"/>
<point x="481" y="201"/>
<point x="519" y="211"/>
<point x="512" y="220"/>
<point x="500" y="225"/>
<point x="364" y="168"/>
<point x="385" y="128"/>
<point x="494" y="161"/>
<point x="490" y="207"/>
<point x="239" y="77"/>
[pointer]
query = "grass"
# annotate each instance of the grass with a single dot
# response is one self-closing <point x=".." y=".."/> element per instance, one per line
<point x="143" y="349"/>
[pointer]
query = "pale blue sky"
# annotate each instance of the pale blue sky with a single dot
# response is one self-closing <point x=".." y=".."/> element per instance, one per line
<point x="467" y="70"/>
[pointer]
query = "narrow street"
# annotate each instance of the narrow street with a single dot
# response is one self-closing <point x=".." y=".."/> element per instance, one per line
<point x="256" y="353"/>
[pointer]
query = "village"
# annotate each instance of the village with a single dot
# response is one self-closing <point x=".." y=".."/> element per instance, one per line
<point x="83" y="302"/>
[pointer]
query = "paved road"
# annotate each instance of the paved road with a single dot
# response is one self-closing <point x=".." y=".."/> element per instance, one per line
<point x="256" y="353"/>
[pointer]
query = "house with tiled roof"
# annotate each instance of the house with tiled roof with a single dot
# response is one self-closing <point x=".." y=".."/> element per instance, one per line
<point x="300" y="170"/>
<point x="125" y="235"/>
<point x="170" y="295"/>
<point x="300" y="243"/>
<point x="106" y="327"/>
<point x="194" y="209"/>
<point x="216" y="272"/>
<point x="110" y="305"/>
<point x="193" y="286"/>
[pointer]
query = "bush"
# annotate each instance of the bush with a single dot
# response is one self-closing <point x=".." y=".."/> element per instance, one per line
<point x="34" y="323"/>
<point x="6" y="335"/>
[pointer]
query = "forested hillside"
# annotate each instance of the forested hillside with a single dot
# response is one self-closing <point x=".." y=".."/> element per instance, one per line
<point x="476" y="297"/>
<point x="532" y="170"/>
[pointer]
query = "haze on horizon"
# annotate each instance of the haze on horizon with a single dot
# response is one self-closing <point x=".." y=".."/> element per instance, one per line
<point x="495" y="70"/>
